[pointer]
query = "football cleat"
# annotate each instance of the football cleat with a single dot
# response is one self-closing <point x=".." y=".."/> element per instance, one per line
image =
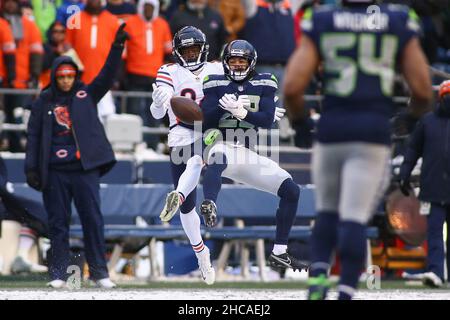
<point x="173" y="203"/>
<point x="20" y="265"/>
<point x="318" y="287"/>
<point x="209" y="211"/>
<point x="105" y="283"/>
<point x="285" y="261"/>
<point x="204" y="263"/>
<point x="432" y="280"/>
<point x="57" y="284"/>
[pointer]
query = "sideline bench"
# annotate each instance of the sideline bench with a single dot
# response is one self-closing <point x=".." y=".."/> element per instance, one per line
<point x="121" y="204"/>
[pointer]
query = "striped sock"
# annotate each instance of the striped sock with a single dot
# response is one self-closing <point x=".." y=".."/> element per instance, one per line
<point x="198" y="247"/>
<point x="345" y="292"/>
<point x="26" y="241"/>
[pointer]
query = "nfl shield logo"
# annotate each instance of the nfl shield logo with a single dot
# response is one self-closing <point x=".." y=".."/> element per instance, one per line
<point x="241" y="88"/>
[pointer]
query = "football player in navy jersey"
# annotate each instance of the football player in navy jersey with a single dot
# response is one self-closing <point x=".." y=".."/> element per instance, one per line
<point x="360" y="49"/>
<point x="238" y="103"/>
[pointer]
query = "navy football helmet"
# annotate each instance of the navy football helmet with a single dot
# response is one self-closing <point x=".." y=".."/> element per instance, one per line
<point x="187" y="37"/>
<point x="239" y="48"/>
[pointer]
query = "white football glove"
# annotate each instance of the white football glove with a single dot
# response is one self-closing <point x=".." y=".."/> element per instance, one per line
<point x="161" y="96"/>
<point x="279" y="113"/>
<point x="235" y="106"/>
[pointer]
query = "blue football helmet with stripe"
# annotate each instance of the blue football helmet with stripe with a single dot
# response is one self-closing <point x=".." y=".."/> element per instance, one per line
<point x="187" y="37"/>
<point x="243" y="49"/>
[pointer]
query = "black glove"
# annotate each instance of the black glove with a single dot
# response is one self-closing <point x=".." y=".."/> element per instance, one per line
<point x="121" y="36"/>
<point x="304" y="129"/>
<point x="34" y="180"/>
<point x="405" y="187"/>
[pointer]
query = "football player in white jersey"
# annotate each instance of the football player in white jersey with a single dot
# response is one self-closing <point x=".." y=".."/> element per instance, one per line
<point x="185" y="78"/>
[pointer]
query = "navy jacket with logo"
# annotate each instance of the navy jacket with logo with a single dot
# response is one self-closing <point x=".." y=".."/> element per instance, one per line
<point x="94" y="148"/>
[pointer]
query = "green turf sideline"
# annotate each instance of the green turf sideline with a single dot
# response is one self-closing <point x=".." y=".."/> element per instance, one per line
<point x="28" y="282"/>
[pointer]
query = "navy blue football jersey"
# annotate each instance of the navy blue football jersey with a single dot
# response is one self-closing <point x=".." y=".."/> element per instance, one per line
<point x="260" y="89"/>
<point x="360" y="51"/>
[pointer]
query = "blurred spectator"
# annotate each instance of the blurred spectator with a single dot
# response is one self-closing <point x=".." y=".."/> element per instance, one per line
<point x="445" y="40"/>
<point x="26" y="9"/>
<point x="430" y="13"/>
<point x="121" y="9"/>
<point x="443" y="51"/>
<point x="197" y="13"/>
<point x="270" y="29"/>
<point x="299" y="11"/>
<point x="150" y="42"/>
<point x="7" y="64"/>
<point x="168" y="7"/>
<point x="29" y="54"/>
<point x="93" y="38"/>
<point x="44" y="12"/>
<point x="7" y="55"/>
<point x="55" y="46"/>
<point x="67" y="9"/>
<point x="29" y="58"/>
<point x="233" y="14"/>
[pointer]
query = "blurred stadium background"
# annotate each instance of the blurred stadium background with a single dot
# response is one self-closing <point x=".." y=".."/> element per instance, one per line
<point x="133" y="192"/>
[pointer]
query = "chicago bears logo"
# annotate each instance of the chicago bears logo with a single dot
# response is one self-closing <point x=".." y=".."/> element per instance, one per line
<point x="63" y="117"/>
<point x="62" y="153"/>
<point x="81" y="94"/>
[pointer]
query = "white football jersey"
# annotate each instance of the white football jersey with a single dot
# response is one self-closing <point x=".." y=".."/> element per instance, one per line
<point x="184" y="83"/>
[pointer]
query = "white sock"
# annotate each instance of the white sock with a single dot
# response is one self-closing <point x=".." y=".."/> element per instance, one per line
<point x="26" y="241"/>
<point x="279" y="249"/>
<point x="191" y="176"/>
<point x="191" y="225"/>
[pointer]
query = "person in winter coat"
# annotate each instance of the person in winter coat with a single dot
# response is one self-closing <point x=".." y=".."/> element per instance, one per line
<point x="67" y="153"/>
<point x="431" y="141"/>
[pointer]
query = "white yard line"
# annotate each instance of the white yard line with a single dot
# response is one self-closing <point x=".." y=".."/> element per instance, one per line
<point x="210" y="294"/>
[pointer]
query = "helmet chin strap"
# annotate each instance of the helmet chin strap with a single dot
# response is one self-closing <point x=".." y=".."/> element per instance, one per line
<point x="199" y="70"/>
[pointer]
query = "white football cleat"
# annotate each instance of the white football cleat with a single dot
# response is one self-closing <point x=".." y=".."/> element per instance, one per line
<point x="173" y="203"/>
<point x="105" y="283"/>
<point x="57" y="284"/>
<point x="20" y="265"/>
<point x="206" y="269"/>
<point x="432" y="280"/>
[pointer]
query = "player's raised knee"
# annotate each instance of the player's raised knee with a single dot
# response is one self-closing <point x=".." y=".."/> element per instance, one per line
<point x="195" y="160"/>
<point x="289" y="190"/>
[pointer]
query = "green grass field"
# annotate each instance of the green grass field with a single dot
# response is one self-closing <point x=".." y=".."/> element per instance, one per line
<point x="34" y="282"/>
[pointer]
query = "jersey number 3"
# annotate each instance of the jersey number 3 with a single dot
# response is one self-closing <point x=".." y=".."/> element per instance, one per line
<point x="188" y="93"/>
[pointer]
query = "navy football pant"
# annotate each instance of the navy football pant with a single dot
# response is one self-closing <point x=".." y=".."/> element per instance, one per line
<point x="436" y="253"/>
<point x="83" y="188"/>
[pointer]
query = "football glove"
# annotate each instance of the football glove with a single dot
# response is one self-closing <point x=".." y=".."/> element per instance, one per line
<point x="279" y="113"/>
<point x="235" y="106"/>
<point x="161" y="96"/>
